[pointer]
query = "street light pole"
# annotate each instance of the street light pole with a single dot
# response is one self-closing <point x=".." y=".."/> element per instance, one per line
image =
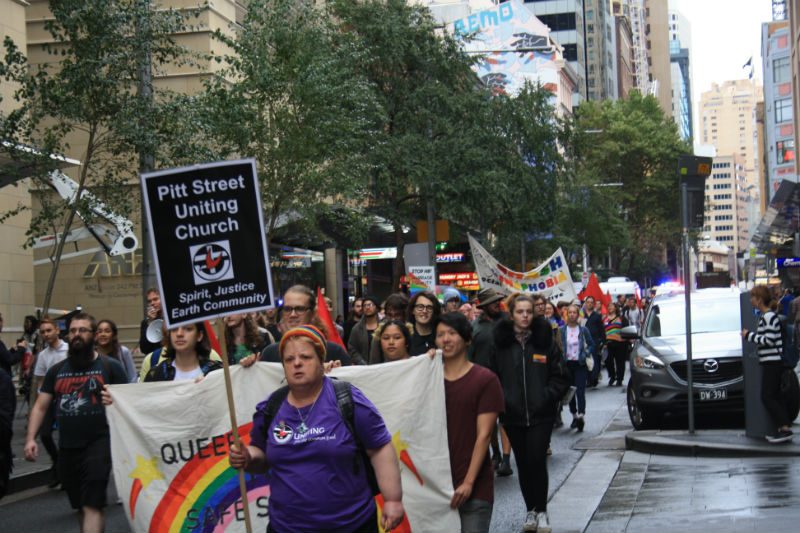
<point x="687" y="291"/>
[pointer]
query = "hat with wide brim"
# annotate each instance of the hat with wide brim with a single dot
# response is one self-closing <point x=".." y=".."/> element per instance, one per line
<point x="488" y="296"/>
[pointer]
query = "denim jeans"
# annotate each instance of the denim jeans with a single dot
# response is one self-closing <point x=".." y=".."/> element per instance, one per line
<point x="579" y="374"/>
<point x="476" y="516"/>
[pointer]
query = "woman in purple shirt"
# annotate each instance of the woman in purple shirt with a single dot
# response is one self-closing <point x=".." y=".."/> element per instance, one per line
<point x="309" y="450"/>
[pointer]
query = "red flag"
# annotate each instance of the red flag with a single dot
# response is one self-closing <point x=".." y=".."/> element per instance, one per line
<point x="325" y="316"/>
<point x="593" y="289"/>
<point x="212" y="337"/>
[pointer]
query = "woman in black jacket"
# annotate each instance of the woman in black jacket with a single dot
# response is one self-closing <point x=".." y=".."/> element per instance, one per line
<point x="534" y="379"/>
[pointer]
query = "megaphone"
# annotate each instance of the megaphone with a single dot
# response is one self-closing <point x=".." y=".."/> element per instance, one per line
<point x="155" y="331"/>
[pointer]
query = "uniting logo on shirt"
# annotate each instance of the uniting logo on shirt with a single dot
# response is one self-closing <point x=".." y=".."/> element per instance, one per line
<point x="282" y="433"/>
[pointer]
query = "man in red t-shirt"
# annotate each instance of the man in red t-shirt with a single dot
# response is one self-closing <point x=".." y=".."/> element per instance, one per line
<point x="473" y="399"/>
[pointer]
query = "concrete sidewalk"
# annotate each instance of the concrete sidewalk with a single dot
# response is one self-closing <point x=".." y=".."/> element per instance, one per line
<point x="27" y="475"/>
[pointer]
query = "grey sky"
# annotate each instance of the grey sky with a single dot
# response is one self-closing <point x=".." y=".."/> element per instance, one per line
<point x="725" y="33"/>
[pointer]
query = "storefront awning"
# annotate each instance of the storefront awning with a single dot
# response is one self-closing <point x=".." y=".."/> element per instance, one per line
<point x="781" y="220"/>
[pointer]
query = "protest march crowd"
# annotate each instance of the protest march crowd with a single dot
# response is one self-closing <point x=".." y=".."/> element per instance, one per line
<point x="510" y="364"/>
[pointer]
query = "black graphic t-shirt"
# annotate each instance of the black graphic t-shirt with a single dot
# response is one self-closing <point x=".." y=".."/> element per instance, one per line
<point x="79" y="410"/>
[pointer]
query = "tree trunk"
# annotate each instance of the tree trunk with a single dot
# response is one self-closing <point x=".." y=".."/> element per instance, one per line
<point x="68" y="223"/>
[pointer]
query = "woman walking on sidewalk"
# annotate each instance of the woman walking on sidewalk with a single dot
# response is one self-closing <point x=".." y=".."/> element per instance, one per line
<point x="578" y="346"/>
<point x="617" y="346"/>
<point x="770" y="346"/>
<point x="534" y="378"/>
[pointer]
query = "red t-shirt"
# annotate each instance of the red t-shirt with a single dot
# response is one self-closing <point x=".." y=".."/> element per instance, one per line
<point x="476" y="392"/>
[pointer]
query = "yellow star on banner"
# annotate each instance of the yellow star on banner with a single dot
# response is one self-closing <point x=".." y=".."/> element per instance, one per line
<point x="399" y="444"/>
<point x="146" y="470"/>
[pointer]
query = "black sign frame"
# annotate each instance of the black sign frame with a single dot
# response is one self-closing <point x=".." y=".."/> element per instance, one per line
<point x="208" y="240"/>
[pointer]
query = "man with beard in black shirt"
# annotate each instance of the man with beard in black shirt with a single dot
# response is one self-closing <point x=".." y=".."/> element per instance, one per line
<point x="76" y="385"/>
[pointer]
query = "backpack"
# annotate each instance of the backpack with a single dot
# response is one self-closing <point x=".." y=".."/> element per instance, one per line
<point x="154" y="357"/>
<point x="344" y="401"/>
<point x="789" y="353"/>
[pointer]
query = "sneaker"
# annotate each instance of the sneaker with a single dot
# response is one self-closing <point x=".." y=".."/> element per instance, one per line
<point x="781" y="436"/>
<point x="504" y="469"/>
<point x="580" y="424"/>
<point x="543" y="523"/>
<point x="496" y="460"/>
<point x="574" y="424"/>
<point x="531" y="521"/>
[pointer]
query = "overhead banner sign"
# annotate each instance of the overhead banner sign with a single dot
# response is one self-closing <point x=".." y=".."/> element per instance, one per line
<point x="514" y="46"/>
<point x="170" y="444"/>
<point x="208" y="238"/>
<point x="552" y="278"/>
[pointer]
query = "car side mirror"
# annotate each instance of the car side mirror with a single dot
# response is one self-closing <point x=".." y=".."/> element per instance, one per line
<point x="629" y="333"/>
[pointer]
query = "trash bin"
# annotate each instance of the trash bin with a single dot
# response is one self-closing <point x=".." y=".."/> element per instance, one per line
<point x="757" y="421"/>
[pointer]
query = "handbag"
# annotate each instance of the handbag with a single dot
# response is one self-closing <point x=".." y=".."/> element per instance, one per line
<point x="589" y="359"/>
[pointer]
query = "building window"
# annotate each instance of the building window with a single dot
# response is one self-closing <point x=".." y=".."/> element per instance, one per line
<point x="559" y="22"/>
<point x="783" y="110"/>
<point x="571" y="52"/>
<point x="781" y="71"/>
<point x="785" y="151"/>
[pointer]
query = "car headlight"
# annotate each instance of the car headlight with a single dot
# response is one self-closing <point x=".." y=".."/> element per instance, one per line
<point x="647" y="361"/>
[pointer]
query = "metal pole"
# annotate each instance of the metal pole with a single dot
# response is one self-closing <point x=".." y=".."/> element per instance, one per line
<point x="687" y="291"/>
<point x="431" y="234"/>
<point x="585" y="262"/>
<point x="146" y="158"/>
<point x="522" y="254"/>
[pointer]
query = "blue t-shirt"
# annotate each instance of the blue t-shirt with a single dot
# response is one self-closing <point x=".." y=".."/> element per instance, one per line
<point x="312" y="483"/>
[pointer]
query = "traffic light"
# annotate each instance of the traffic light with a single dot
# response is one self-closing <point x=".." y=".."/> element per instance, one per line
<point x="692" y="172"/>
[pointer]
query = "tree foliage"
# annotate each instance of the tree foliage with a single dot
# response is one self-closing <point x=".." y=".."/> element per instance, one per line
<point x="84" y="95"/>
<point x="633" y="146"/>
<point x="289" y="97"/>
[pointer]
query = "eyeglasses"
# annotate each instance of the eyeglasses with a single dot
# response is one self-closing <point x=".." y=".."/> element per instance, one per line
<point x="81" y="331"/>
<point x="300" y="309"/>
<point x="423" y="308"/>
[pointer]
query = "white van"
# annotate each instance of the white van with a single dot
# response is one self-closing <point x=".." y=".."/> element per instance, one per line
<point x="620" y="285"/>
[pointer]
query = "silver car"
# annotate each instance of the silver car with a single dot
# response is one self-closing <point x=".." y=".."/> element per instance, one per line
<point x="658" y="360"/>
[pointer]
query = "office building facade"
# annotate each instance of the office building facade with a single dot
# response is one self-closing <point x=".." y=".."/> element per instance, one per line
<point x="728" y="198"/>
<point x="727" y="120"/>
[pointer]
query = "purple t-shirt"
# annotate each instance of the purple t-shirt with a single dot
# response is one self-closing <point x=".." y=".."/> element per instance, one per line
<point x="312" y="483"/>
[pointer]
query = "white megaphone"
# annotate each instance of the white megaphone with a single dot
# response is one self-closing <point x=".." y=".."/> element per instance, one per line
<point x="155" y="332"/>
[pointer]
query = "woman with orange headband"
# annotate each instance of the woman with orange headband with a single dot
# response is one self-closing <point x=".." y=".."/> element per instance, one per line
<point x="316" y="455"/>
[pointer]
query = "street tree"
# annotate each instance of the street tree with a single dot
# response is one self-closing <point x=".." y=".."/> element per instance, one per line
<point x="624" y="156"/>
<point x="445" y="145"/>
<point x="287" y="94"/>
<point x="82" y="101"/>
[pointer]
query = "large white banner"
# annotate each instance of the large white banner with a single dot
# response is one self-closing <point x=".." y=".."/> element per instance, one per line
<point x="170" y="443"/>
<point x="552" y="278"/>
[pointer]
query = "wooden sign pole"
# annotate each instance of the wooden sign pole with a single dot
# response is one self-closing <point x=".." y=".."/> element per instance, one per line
<point x="232" y="412"/>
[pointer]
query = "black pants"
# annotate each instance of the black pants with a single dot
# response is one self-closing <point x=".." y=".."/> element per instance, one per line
<point x="771" y="392"/>
<point x="530" y="450"/>
<point x="617" y="358"/>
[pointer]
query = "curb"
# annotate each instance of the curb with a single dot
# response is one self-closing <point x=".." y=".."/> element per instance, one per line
<point x="30" y="480"/>
<point x="705" y="445"/>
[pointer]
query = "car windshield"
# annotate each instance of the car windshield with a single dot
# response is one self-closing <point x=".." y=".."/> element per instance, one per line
<point x="667" y="319"/>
